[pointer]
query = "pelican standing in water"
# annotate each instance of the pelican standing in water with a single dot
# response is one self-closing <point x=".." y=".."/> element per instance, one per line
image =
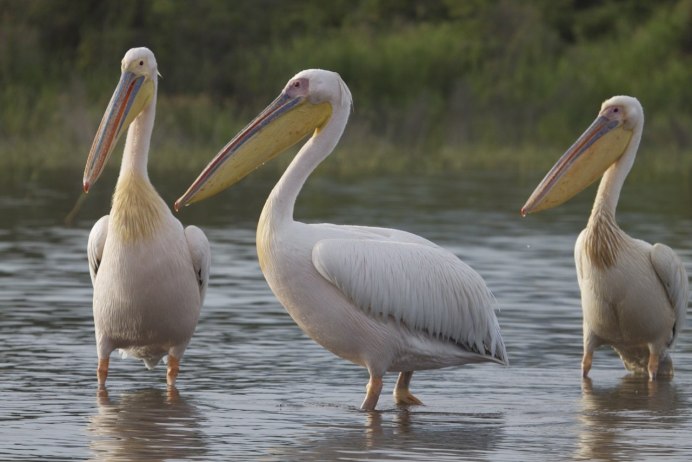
<point x="634" y="294"/>
<point x="149" y="274"/>
<point x="385" y="299"/>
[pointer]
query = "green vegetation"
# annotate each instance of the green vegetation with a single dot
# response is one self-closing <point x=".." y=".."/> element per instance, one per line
<point x="437" y="84"/>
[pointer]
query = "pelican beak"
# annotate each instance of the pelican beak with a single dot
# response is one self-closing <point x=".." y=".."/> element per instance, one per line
<point x="281" y="125"/>
<point x="583" y="163"/>
<point x="131" y="96"/>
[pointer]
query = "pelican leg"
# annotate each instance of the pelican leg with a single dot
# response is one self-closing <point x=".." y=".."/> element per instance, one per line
<point x="173" y="369"/>
<point x="402" y="395"/>
<point x="591" y="342"/>
<point x="586" y="363"/>
<point x="102" y="371"/>
<point x="373" y="390"/>
<point x="654" y="359"/>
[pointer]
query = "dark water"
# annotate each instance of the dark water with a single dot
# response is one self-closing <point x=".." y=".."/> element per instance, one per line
<point x="253" y="386"/>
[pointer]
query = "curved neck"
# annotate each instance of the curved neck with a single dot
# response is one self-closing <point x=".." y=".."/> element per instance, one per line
<point x="136" y="153"/>
<point x="611" y="184"/>
<point x="137" y="210"/>
<point x="280" y="204"/>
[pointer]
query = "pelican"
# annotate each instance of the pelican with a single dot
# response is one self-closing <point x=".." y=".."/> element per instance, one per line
<point x="381" y="298"/>
<point x="633" y="294"/>
<point x="149" y="274"/>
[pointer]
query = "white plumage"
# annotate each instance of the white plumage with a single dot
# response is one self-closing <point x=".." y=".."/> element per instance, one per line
<point x="149" y="274"/>
<point x="634" y="294"/>
<point x="382" y="298"/>
<point x="418" y="285"/>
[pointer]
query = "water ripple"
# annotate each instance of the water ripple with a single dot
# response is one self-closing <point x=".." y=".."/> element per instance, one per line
<point x="253" y="386"/>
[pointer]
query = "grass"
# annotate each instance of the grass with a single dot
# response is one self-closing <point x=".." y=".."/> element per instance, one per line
<point x="358" y="154"/>
<point x="488" y="85"/>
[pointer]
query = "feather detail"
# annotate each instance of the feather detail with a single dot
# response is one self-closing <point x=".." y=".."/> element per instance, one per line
<point x="602" y="239"/>
<point x="671" y="272"/>
<point x="425" y="288"/>
<point x="137" y="210"/>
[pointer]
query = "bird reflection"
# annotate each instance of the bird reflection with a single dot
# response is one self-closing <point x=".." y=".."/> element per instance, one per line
<point x="148" y="424"/>
<point x="389" y="434"/>
<point x="373" y="428"/>
<point x="613" y="417"/>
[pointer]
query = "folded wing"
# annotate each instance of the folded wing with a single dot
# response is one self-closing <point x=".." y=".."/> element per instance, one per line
<point x="672" y="274"/>
<point x="424" y="287"/>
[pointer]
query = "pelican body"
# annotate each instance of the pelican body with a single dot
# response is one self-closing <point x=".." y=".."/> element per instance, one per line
<point x="382" y="298"/>
<point x="633" y="294"/>
<point x="149" y="274"/>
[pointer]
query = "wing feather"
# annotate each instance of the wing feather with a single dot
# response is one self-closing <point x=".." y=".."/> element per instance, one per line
<point x="95" y="244"/>
<point x="425" y="287"/>
<point x="672" y="274"/>
<point x="201" y="256"/>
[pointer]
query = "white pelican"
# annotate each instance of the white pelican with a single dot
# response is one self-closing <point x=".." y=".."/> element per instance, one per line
<point x="149" y="274"/>
<point x="381" y="298"/>
<point x="634" y="294"/>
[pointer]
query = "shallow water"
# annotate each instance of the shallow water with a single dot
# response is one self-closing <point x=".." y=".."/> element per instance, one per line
<point x="253" y="386"/>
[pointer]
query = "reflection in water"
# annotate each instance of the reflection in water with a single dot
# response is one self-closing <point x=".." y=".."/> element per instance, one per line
<point x="402" y="434"/>
<point x="373" y="429"/>
<point x="252" y="377"/>
<point x="616" y="420"/>
<point x="148" y="424"/>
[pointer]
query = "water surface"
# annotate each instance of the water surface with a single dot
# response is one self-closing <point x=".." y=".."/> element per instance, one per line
<point x="253" y="386"/>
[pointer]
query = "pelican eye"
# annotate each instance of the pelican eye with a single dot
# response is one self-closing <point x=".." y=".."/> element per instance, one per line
<point x="141" y="63"/>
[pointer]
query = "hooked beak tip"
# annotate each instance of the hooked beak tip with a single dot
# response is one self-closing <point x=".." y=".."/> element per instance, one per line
<point x="176" y="206"/>
<point x="86" y="186"/>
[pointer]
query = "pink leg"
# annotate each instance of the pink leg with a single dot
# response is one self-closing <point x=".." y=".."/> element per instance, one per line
<point x="102" y="371"/>
<point x="173" y="369"/>
<point x="653" y="365"/>
<point x="402" y="395"/>
<point x="372" y="394"/>
<point x="586" y="363"/>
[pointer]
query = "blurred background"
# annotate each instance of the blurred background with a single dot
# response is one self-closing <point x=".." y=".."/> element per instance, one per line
<point x="460" y="108"/>
<point x="438" y="85"/>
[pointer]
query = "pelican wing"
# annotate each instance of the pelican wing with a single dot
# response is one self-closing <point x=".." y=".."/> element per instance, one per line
<point x="373" y="232"/>
<point x="97" y="240"/>
<point x="672" y="274"/>
<point x="201" y="256"/>
<point x="426" y="288"/>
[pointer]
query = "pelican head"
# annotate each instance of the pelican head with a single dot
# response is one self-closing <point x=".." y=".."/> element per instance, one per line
<point x="304" y="106"/>
<point x="135" y="91"/>
<point x="601" y="145"/>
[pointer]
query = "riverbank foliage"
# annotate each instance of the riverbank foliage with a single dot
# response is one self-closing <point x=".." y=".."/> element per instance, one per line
<point x="437" y="84"/>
